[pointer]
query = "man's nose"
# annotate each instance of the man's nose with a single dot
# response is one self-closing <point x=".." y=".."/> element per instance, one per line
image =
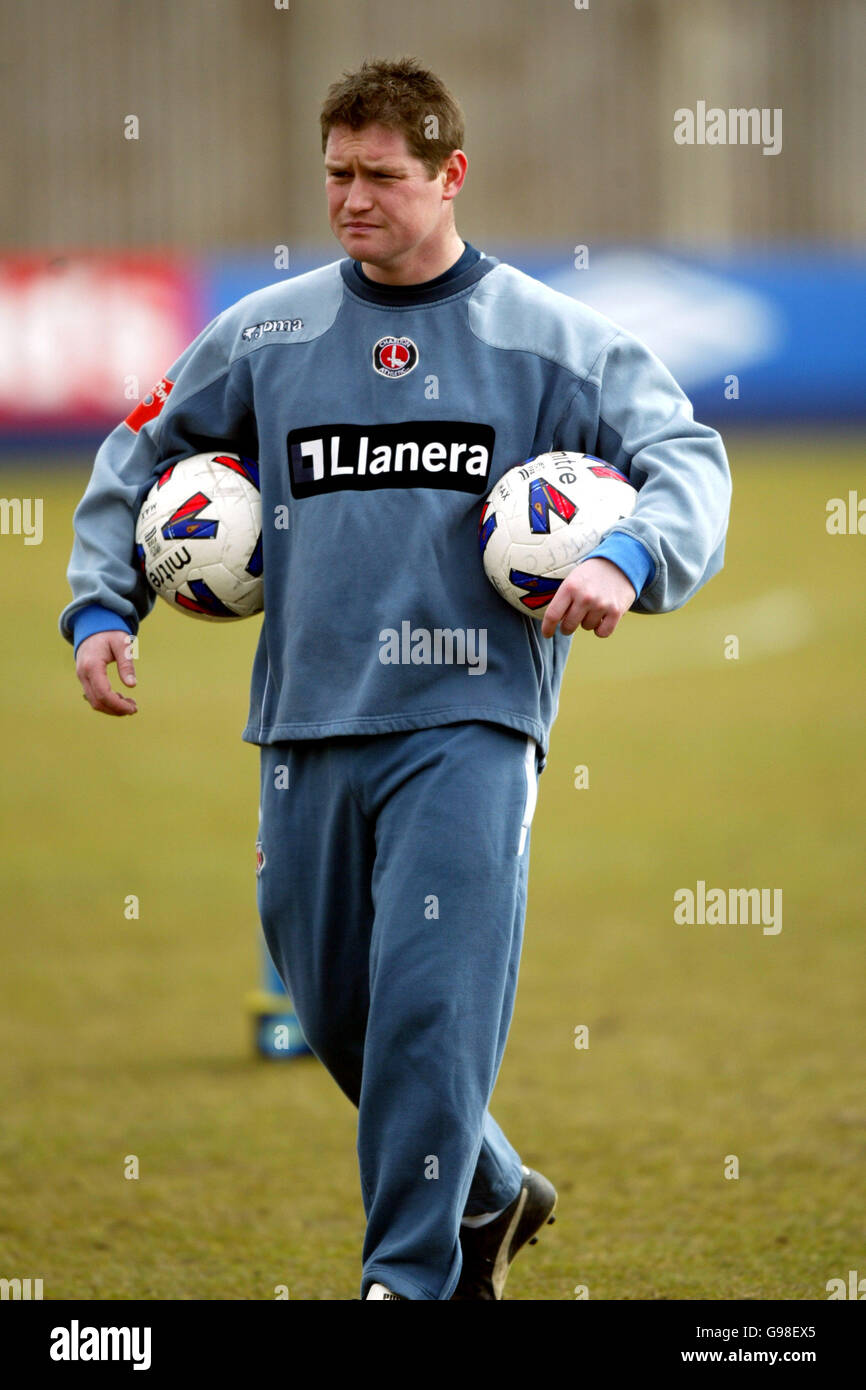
<point x="359" y="195"/>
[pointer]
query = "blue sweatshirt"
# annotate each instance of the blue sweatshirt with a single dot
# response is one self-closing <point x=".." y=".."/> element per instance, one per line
<point x="381" y="416"/>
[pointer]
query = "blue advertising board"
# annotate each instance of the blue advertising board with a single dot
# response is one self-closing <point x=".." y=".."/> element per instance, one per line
<point x="753" y="335"/>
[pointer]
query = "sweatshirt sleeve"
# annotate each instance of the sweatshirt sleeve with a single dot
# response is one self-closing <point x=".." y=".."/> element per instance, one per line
<point x="646" y="429"/>
<point x="630" y="555"/>
<point x="201" y="404"/>
<point x="94" y="618"/>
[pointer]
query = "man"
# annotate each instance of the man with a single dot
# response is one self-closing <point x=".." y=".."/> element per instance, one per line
<point x="396" y="798"/>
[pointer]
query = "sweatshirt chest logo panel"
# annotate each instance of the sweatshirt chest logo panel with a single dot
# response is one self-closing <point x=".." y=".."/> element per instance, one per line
<point x="395" y="356"/>
<point x="445" y="454"/>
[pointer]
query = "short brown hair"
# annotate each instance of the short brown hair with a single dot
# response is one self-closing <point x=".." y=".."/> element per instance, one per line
<point x="400" y="95"/>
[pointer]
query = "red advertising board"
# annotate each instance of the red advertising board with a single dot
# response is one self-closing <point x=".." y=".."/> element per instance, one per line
<point x="83" y="338"/>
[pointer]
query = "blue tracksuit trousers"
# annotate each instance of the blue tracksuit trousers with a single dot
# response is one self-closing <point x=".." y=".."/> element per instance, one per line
<point x="392" y="894"/>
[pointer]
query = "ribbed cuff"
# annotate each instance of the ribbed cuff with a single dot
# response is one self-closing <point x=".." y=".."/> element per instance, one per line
<point x="629" y="554"/>
<point x="95" y="618"/>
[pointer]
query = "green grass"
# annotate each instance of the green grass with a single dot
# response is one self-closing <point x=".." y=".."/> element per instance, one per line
<point x="129" y="1037"/>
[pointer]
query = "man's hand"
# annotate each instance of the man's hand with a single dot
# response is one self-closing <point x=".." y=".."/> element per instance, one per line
<point x="91" y="666"/>
<point x="594" y="596"/>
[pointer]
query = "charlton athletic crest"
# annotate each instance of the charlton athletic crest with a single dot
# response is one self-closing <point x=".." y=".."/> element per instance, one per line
<point x="395" y="356"/>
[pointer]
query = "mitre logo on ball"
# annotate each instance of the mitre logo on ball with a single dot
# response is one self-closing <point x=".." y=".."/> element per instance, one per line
<point x="198" y="537"/>
<point x="542" y="518"/>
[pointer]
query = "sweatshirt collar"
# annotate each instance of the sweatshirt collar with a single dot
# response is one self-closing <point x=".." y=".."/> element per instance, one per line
<point x="470" y="266"/>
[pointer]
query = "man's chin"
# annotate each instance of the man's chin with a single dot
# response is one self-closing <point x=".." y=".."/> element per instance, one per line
<point x="362" y="250"/>
<point x="366" y="255"/>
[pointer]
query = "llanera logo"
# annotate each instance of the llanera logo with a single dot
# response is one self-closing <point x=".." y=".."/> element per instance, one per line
<point x="452" y="454"/>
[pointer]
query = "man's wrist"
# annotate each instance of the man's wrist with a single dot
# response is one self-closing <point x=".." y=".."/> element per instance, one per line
<point x="629" y="555"/>
<point x="94" y="618"/>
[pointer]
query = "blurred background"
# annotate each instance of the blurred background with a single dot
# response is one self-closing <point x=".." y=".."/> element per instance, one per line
<point x="161" y="160"/>
<point x="160" y="155"/>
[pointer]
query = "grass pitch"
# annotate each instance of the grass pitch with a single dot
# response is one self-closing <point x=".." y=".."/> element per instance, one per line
<point x="707" y="1043"/>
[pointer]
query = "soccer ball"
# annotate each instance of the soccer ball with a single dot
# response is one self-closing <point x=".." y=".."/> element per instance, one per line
<point x="542" y="517"/>
<point x="199" y="537"/>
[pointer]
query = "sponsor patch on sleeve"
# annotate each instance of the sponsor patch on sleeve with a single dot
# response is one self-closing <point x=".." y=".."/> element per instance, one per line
<point x="149" y="408"/>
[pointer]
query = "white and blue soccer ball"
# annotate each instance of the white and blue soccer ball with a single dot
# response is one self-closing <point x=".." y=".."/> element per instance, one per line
<point x="542" y="518"/>
<point x="198" y="537"/>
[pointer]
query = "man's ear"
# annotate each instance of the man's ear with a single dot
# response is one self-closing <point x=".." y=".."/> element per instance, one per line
<point x="454" y="170"/>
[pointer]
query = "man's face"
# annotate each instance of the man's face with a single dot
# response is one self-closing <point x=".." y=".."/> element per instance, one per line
<point x="383" y="207"/>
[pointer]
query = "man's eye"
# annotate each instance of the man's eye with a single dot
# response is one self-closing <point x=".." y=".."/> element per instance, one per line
<point x="344" y="174"/>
